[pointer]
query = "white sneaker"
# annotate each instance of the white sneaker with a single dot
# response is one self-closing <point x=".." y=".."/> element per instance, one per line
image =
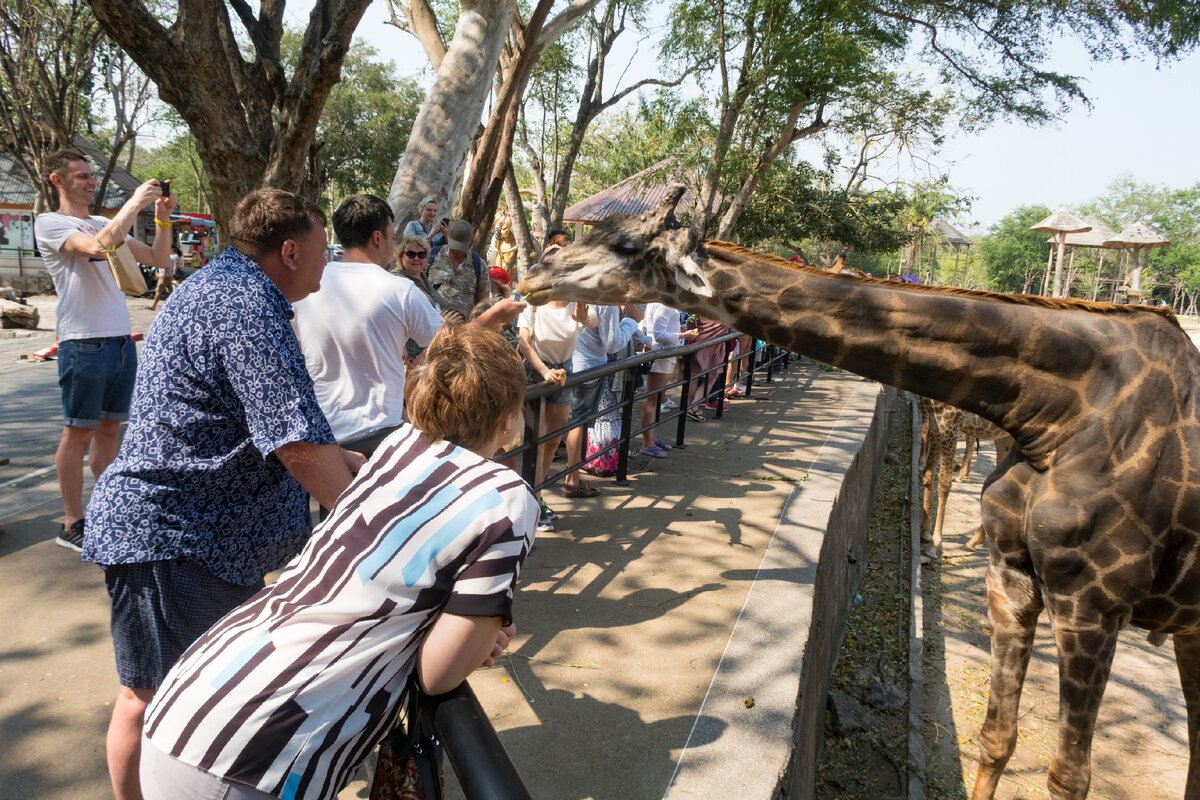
<point x="669" y="404"/>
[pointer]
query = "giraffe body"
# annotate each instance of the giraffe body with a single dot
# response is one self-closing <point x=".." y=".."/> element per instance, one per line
<point x="1094" y="514"/>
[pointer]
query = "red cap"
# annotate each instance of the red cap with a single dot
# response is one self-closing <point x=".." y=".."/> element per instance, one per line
<point x="499" y="275"/>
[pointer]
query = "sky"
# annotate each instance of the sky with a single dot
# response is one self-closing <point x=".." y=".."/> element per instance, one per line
<point x="1145" y="122"/>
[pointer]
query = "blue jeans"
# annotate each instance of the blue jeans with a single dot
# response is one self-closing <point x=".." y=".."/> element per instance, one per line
<point x="96" y="378"/>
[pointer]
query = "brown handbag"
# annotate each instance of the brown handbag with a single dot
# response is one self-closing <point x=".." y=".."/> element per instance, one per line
<point x="125" y="270"/>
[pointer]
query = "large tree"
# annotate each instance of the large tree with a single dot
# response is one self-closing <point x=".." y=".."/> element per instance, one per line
<point x="1013" y="253"/>
<point x="253" y="122"/>
<point x="47" y="48"/>
<point x="782" y="68"/>
<point x="447" y="131"/>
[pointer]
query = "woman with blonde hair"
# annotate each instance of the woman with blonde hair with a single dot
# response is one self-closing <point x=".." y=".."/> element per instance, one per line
<point x="413" y="572"/>
<point x="427" y="225"/>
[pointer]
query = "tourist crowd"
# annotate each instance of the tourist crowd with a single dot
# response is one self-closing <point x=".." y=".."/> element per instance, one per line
<point x="387" y="386"/>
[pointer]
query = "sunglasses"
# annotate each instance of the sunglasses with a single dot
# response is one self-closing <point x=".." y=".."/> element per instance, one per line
<point x="412" y="254"/>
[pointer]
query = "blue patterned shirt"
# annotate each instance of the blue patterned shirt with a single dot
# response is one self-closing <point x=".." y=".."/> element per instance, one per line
<point x="221" y="385"/>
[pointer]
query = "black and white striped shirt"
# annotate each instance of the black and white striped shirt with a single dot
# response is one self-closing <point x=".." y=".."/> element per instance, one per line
<point x="290" y="691"/>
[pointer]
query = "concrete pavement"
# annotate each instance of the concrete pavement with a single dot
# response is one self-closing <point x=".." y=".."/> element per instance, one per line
<point x="630" y="669"/>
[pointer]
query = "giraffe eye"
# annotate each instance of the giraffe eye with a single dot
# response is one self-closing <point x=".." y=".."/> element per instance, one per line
<point x="626" y="248"/>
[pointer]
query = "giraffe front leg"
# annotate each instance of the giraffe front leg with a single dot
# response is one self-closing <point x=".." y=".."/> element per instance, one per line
<point x="1013" y="609"/>
<point x="1187" y="660"/>
<point x="964" y="469"/>
<point x="1085" y="656"/>
<point x="945" y="481"/>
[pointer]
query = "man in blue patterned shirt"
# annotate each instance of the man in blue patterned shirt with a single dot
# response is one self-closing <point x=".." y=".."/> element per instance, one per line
<point x="226" y="441"/>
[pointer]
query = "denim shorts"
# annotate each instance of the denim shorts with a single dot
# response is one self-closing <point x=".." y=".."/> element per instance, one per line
<point x="96" y="378"/>
<point x="563" y="397"/>
<point x="159" y="608"/>
<point x="587" y="400"/>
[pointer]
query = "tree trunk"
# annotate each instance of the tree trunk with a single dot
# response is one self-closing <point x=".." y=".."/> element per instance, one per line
<point x="789" y="136"/>
<point x="516" y="211"/>
<point x="16" y="315"/>
<point x="449" y="118"/>
<point x="252" y="125"/>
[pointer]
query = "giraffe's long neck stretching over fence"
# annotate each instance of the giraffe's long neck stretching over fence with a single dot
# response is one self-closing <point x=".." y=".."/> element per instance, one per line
<point x="1014" y="363"/>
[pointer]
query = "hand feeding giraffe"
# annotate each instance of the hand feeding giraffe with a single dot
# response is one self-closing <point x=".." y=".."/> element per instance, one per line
<point x="1093" y="516"/>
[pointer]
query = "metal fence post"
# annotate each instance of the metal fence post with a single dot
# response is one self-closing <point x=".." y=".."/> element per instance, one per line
<point x="627" y="390"/>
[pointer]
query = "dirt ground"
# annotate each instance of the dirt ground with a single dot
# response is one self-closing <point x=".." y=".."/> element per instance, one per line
<point x="1140" y="749"/>
<point x="871" y="764"/>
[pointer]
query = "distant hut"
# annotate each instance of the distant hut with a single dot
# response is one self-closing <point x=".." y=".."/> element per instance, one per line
<point x="637" y="194"/>
<point x="952" y="236"/>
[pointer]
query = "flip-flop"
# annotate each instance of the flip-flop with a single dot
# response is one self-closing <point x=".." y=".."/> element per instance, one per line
<point x="582" y="490"/>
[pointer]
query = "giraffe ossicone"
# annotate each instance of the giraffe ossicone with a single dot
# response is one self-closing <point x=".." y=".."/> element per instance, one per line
<point x="1094" y="514"/>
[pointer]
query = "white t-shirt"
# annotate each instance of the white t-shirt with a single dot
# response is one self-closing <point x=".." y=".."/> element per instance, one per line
<point x="353" y="333"/>
<point x="89" y="303"/>
<point x="554" y="332"/>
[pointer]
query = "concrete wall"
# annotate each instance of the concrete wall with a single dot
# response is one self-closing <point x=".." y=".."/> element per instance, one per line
<point x="839" y="571"/>
<point x="786" y="639"/>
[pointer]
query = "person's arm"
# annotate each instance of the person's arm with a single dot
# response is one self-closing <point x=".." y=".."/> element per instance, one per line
<point x="502" y="313"/>
<point x="580" y="313"/>
<point x="530" y="354"/>
<point x="159" y="255"/>
<point x="113" y="234"/>
<point x="324" y="470"/>
<point x="456" y="646"/>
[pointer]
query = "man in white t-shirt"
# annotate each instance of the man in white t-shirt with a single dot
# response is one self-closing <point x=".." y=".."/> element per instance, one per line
<point x="97" y="358"/>
<point x="354" y="331"/>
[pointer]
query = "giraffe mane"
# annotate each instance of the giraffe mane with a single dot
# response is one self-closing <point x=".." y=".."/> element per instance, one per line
<point x="1059" y="303"/>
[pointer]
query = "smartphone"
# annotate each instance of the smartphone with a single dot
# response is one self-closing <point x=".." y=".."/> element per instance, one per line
<point x="445" y="220"/>
<point x="166" y="187"/>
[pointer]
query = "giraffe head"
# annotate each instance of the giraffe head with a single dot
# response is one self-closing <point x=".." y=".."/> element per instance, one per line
<point x="647" y="258"/>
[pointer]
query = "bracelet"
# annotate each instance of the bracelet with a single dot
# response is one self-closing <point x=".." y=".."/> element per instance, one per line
<point x="161" y="224"/>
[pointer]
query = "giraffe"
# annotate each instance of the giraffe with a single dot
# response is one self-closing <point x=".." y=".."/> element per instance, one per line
<point x="941" y="426"/>
<point x="1093" y="516"/>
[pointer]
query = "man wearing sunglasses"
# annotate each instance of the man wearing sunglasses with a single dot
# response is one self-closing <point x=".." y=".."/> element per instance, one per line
<point x="354" y="331"/>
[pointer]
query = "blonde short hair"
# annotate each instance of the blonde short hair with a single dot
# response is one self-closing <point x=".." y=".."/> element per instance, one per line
<point x="415" y="242"/>
<point x="470" y="382"/>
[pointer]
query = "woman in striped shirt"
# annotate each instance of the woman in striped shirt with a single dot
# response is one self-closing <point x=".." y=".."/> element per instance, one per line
<point x="414" y="569"/>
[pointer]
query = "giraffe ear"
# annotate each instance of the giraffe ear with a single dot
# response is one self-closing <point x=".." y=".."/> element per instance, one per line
<point x="689" y="275"/>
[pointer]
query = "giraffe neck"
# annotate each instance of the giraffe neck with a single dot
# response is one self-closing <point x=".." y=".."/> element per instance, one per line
<point x="1021" y="367"/>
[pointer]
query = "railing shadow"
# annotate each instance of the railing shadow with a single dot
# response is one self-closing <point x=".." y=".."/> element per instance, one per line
<point x="483" y="767"/>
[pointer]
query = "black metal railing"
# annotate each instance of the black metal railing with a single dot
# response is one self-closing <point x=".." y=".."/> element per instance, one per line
<point x="762" y="357"/>
<point x="483" y="767"/>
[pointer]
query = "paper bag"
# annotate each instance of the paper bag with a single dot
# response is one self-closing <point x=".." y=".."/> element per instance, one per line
<point x="125" y="271"/>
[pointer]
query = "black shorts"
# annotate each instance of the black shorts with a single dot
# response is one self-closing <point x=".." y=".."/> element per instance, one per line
<point x="158" y="609"/>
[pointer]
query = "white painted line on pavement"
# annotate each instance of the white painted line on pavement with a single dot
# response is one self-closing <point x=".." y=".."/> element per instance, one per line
<point x="37" y="473"/>
<point x="19" y="511"/>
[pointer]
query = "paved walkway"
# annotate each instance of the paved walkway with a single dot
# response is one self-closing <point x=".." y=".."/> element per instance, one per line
<point x="624" y="614"/>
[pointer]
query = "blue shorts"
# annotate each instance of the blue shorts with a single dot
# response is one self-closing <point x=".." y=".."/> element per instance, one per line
<point x="587" y="400"/>
<point x="96" y="378"/>
<point x="159" y="608"/>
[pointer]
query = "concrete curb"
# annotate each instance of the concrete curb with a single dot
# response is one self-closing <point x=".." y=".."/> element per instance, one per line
<point x="916" y="622"/>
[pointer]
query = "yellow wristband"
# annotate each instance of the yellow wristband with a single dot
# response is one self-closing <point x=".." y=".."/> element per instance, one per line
<point x="161" y="224"/>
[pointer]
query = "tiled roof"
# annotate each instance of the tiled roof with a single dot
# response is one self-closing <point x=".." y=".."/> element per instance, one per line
<point x="16" y="190"/>
<point x="635" y="195"/>
<point x="950" y="233"/>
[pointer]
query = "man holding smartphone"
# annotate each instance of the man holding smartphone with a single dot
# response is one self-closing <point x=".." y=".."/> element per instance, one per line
<point x="97" y="358"/>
